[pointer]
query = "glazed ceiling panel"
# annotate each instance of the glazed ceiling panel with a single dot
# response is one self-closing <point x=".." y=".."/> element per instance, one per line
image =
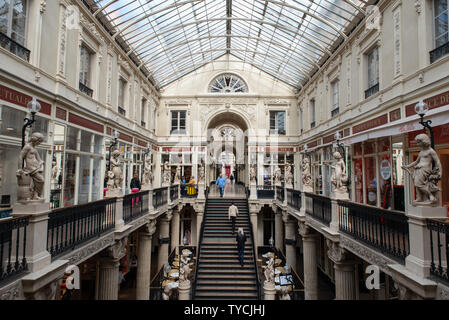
<point x="285" y="38"/>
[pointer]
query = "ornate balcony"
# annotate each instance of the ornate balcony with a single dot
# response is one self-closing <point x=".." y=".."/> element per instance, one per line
<point x="121" y="111"/>
<point x="14" y="47"/>
<point x="374" y="89"/>
<point x="439" y="52"/>
<point x="85" y="89"/>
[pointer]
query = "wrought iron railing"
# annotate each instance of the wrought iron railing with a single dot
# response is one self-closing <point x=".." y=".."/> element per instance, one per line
<point x="189" y="191"/>
<point x="319" y="207"/>
<point x="253" y="248"/>
<point x="85" y="89"/>
<point x="55" y="199"/>
<point x="298" y="286"/>
<point x="156" y="285"/>
<point x="280" y="193"/>
<point x="13" y="247"/>
<point x="14" y="47"/>
<point x="265" y="192"/>
<point x="439" y="52"/>
<point x="143" y="124"/>
<point x="198" y="253"/>
<point x="374" y="89"/>
<point x="294" y="199"/>
<point x="174" y="192"/>
<point x="135" y="205"/>
<point x="335" y="112"/>
<point x="381" y="229"/>
<point x="439" y="248"/>
<point x="121" y="111"/>
<point x="72" y="226"/>
<point x="160" y="197"/>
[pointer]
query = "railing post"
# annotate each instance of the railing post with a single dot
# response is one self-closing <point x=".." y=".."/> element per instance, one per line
<point x="335" y="196"/>
<point x="36" y="253"/>
<point x="253" y="190"/>
<point x="419" y="259"/>
<point x="119" y="221"/>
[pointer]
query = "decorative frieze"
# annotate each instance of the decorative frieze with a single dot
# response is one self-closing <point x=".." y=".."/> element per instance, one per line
<point x="397" y="40"/>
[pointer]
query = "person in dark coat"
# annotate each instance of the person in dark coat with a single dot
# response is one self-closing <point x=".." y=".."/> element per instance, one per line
<point x="241" y="239"/>
<point x="135" y="183"/>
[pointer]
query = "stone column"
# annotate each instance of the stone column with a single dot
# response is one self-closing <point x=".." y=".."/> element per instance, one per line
<point x="108" y="273"/>
<point x="310" y="264"/>
<point x="143" y="277"/>
<point x="253" y="217"/>
<point x="344" y="272"/>
<point x="278" y="231"/>
<point x="199" y="221"/>
<point x="164" y="239"/>
<point x="290" y="241"/>
<point x="174" y="230"/>
<point x="269" y="291"/>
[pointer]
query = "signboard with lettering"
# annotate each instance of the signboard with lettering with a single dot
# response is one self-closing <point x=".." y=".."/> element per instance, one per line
<point x="434" y="102"/>
<point x="370" y="124"/>
<point x="441" y="135"/>
<point x="21" y="99"/>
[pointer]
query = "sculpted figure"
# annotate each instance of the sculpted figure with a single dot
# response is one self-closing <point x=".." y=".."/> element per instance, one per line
<point x="269" y="271"/>
<point x="252" y="174"/>
<point x="284" y="293"/>
<point x="277" y="176"/>
<point x="147" y="178"/>
<point x="54" y="170"/>
<point x="339" y="176"/>
<point x="426" y="173"/>
<point x="201" y="173"/>
<point x="306" y="177"/>
<point x="177" y="178"/>
<point x="288" y="175"/>
<point x="30" y="170"/>
<point x="185" y="270"/>
<point x="116" y="169"/>
<point x="166" y="173"/>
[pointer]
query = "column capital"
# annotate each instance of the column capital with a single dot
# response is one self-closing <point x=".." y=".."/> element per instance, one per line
<point x="305" y="231"/>
<point x="118" y="249"/>
<point x="149" y="228"/>
<point x="167" y="217"/>
<point x="335" y="252"/>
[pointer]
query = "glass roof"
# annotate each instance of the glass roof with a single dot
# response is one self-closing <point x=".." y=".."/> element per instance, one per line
<point x="288" y="39"/>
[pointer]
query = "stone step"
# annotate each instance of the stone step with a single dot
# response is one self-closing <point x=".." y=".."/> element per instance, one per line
<point x="225" y="282"/>
<point x="225" y="268"/>
<point x="237" y="289"/>
<point x="225" y="295"/>
<point x="223" y="277"/>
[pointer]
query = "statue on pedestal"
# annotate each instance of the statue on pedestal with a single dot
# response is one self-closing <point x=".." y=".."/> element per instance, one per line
<point x="306" y="176"/>
<point x="201" y="173"/>
<point x="177" y="179"/>
<point x="426" y="173"/>
<point x="30" y="171"/>
<point x="288" y="175"/>
<point x="277" y="176"/>
<point x="269" y="272"/>
<point x="339" y="176"/>
<point x="253" y="174"/>
<point x="116" y="170"/>
<point x="147" y="178"/>
<point x="166" y="175"/>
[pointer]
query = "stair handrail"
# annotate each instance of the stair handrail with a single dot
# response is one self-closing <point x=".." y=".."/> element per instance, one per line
<point x="200" y="239"/>
<point x="254" y="252"/>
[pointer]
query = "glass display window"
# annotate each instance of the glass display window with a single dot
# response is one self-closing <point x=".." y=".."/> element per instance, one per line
<point x="86" y="141"/>
<point x="371" y="181"/>
<point x="385" y="171"/>
<point x="369" y="147"/>
<point x="12" y="122"/>
<point x="69" y="180"/>
<point x="358" y="180"/>
<point x="358" y="149"/>
<point x="384" y="145"/>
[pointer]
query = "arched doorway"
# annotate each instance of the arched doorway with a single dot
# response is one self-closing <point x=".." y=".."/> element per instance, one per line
<point x="227" y="140"/>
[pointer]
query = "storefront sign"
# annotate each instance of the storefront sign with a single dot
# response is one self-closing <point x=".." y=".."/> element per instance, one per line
<point x="61" y="114"/>
<point x="441" y="135"/>
<point x="433" y="102"/>
<point x="373" y="123"/>
<point x="385" y="169"/>
<point x="125" y="137"/>
<point x="395" y="115"/>
<point x="21" y="99"/>
<point x="86" y="123"/>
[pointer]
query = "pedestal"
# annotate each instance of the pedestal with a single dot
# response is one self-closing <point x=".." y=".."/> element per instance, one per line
<point x="184" y="290"/>
<point x="119" y="222"/>
<point x="420" y="256"/>
<point x="253" y="191"/>
<point x="114" y="193"/>
<point x="201" y="191"/>
<point x="308" y="189"/>
<point x="146" y="187"/>
<point x="269" y="290"/>
<point x="36" y="252"/>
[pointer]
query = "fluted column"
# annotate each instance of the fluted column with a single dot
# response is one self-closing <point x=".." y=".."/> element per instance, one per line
<point x="164" y="240"/>
<point x="310" y="264"/>
<point x="108" y="273"/>
<point x="278" y="231"/>
<point x="174" y="237"/>
<point x="290" y="241"/>
<point x="344" y="272"/>
<point x="344" y="281"/>
<point x="143" y="276"/>
<point x="199" y="220"/>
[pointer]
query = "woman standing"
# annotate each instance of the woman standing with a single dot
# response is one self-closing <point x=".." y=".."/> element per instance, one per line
<point x="191" y="186"/>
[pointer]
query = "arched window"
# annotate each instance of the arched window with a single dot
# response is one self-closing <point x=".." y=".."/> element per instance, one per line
<point x="228" y="83"/>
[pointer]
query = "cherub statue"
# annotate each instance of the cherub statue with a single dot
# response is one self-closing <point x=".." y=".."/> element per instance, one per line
<point x="269" y="271"/>
<point x="288" y="175"/>
<point x="427" y="172"/>
<point x="147" y="178"/>
<point x="306" y="177"/>
<point x="277" y="176"/>
<point x="167" y="290"/>
<point x="339" y="176"/>
<point x="116" y="169"/>
<point x="110" y="182"/>
<point x="166" y="174"/>
<point x="252" y="174"/>
<point x="177" y="178"/>
<point x="283" y="295"/>
<point x="201" y="174"/>
<point x="30" y="170"/>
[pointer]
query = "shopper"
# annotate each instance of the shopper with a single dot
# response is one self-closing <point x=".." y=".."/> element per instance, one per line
<point x="135" y="183"/>
<point x="241" y="239"/>
<point x="221" y="183"/>
<point x="233" y="212"/>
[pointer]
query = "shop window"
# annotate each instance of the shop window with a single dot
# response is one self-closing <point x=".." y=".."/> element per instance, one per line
<point x="370" y="147"/>
<point x="441" y="32"/>
<point x="12" y="122"/>
<point x="371" y="181"/>
<point x="358" y="180"/>
<point x="72" y="137"/>
<point x="57" y="167"/>
<point x="96" y="183"/>
<point x="277" y="122"/>
<point x="84" y="179"/>
<point x="98" y="144"/>
<point x="385" y="170"/>
<point x="358" y="149"/>
<point x="86" y="141"/>
<point x="13" y="19"/>
<point x="383" y="145"/>
<point x="69" y="180"/>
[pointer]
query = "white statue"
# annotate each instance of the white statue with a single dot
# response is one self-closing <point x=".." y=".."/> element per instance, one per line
<point x="427" y="172"/>
<point x="166" y="174"/>
<point x="167" y="289"/>
<point x="184" y="270"/>
<point x="339" y="176"/>
<point x="284" y="293"/>
<point x="269" y="271"/>
<point x="277" y="176"/>
<point x="253" y="174"/>
<point x="54" y="170"/>
<point x="147" y="178"/>
<point x="288" y="175"/>
<point x="201" y="173"/>
<point x="30" y="177"/>
<point x="177" y="178"/>
<point x="306" y="176"/>
<point x="115" y="174"/>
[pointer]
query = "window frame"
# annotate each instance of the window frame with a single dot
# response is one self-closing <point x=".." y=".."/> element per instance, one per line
<point x="368" y="54"/>
<point x="89" y="68"/>
<point x="10" y="20"/>
<point x="276" y="131"/>
<point x="434" y="18"/>
<point x="312" y="113"/>
<point x="178" y="130"/>
<point x="335" y="98"/>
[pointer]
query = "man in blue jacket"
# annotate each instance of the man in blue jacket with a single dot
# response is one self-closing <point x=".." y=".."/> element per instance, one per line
<point x="221" y="183"/>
